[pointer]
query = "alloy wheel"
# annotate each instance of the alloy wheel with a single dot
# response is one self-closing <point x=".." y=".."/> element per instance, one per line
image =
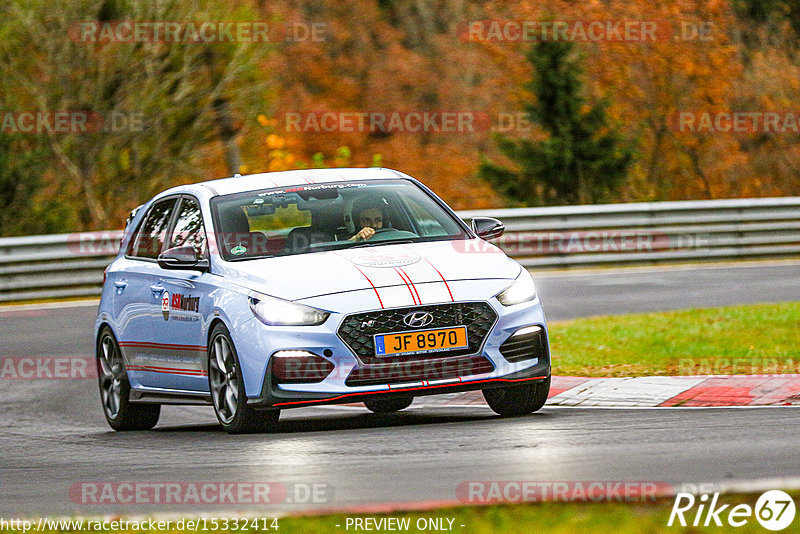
<point x="224" y="379"/>
<point x="112" y="373"/>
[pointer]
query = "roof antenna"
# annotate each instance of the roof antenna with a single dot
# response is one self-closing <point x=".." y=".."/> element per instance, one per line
<point x="237" y="175"/>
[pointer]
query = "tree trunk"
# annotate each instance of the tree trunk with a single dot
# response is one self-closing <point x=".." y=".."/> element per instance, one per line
<point x="227" y="134"/>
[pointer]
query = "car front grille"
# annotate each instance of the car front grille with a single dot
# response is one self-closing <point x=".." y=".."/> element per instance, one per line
<point x="518" y="348"/>
<point x="357" y="330"/>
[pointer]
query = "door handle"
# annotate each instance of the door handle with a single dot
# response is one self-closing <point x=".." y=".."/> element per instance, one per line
<point x="157" y="289"/>
<point x="120" y="285"/>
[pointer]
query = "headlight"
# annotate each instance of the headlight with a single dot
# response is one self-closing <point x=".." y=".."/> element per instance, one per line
<point x="522" y="290"/>
<point x="278" y="312"/>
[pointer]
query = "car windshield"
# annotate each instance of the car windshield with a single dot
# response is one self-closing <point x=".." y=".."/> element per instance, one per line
<point x="311" y="218"/>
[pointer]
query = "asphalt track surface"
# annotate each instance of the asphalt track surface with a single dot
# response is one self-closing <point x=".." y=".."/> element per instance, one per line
<point x="53" y="435"/>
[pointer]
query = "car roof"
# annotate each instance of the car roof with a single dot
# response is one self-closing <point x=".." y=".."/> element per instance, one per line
<point x="265" y="180"/>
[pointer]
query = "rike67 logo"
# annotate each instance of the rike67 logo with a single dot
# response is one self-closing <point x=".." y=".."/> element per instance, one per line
<point x="774" y="510"/>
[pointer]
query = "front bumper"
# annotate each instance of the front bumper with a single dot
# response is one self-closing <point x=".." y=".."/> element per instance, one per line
<point x="496" y="371"/>
<point x="274" y="397"/>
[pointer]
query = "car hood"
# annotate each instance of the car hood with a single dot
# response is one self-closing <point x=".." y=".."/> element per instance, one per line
<point x="415" y="267"/>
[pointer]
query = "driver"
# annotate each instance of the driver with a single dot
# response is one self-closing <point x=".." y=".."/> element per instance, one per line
<point x="369" y="214"/>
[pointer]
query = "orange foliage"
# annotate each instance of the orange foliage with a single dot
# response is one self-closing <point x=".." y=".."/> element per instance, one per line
<point x="374" y="59"/>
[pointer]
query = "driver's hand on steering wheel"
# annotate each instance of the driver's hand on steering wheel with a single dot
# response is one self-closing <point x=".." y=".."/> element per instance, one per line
<point x="363" y="234"/>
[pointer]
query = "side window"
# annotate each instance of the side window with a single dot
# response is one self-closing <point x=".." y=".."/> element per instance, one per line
<point x="149" y="240"/>
<point x="189" y="230"/>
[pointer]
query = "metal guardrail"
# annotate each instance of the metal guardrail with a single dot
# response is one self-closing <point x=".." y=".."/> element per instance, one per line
<point x="650" y="233"/>
<point x="71" y="265"/>
<point x="54" y="266"/>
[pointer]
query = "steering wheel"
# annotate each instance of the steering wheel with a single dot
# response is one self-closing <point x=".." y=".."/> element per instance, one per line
<point x="393" y="233"/>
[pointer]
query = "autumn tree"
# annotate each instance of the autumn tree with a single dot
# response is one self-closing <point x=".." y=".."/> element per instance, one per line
<point x="163" y="104"/>
<point x="386" y="56"/>
<point x="583" y="159"/>
<point x="212" y="108"/>
<point x="22" y="210"/>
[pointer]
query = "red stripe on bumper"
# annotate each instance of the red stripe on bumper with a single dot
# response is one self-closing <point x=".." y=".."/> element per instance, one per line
<point x="486" y="381"/>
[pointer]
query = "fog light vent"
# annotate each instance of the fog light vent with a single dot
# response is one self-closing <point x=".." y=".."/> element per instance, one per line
<point x="525" y="344"/>
<point x="299" y="367"/>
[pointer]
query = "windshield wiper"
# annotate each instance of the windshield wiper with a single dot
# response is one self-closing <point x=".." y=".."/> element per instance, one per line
<point x="387" y="242"/>
<point x="261" y="257"/>
<point x="359" y="244"/>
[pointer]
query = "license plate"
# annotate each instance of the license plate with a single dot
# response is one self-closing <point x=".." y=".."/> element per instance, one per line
<point x="421" y="341"/>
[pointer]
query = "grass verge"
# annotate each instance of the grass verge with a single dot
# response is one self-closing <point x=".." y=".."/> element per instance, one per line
<point x="748" y="339"/>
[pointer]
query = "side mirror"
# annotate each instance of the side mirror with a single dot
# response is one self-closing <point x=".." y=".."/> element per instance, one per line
<point x="182" y="258"/>
<point x="487" y="227"/>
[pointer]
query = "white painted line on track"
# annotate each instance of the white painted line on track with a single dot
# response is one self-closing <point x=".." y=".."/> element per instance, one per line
<point x="85" y="303"/>
<point x="670" y="408"/>
<point x="557" y="407"/>
<point x="596" y="407"/>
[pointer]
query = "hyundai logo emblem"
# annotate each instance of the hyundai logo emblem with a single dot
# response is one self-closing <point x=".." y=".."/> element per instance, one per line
<point x="418" y="319"/>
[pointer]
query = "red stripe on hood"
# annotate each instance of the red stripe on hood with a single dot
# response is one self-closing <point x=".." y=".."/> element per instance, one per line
<point x="410" y="281"/>
<point x="375" y="289"/>
<point x="400" y="274"/>
<point x="443" y="279"/>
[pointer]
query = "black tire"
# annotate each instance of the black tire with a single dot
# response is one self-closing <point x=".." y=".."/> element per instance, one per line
<point x="115" y="389"/>
<point x="518" y="400"/>
<point x="388" y="405"/>
<point x="227" y="389"/>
